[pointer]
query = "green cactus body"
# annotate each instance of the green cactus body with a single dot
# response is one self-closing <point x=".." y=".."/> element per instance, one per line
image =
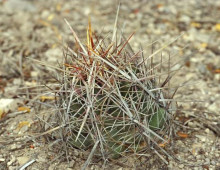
<point x="158" y="119"/>
<point x="119" y="137"/>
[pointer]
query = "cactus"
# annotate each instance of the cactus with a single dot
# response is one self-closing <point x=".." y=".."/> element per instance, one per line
<point x="107" y="95"/>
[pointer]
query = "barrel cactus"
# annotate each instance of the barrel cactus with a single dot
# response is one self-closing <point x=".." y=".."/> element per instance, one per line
<point x="110" y="100"/>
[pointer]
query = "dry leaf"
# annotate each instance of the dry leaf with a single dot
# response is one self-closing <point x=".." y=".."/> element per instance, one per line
<point x="50" y="17"/>
<point x="54" y="45"/>
<point x="24" y="109"/>
<point x="44" y="98"/>
<point x="164" y="144"/>
<point x="187" y="63"/>
<point x="217" y="71"/>
<point x="2" y="114"/>
<point x="159" y="6"/>
<point x="58" y="7"/>
<point x="217" y="27"/>
<point x="196" y="24"/>
<point x="24" y="123"/>
<point x="182" y="135"/>
<point x="210" y="67"/>
<point x="204" y="45"/>
<point x="32" y="146"/>
<point x="136" y="11"/>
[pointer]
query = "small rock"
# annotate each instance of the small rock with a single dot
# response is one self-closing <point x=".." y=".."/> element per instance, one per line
<point x="202" y="138"/>
<point x="6" y="105"/>
<point x="179" y="143"/>
<point x="132" y="16"/>
<point x="41" y="159"/>
<point x="76" y="152"/>
<point x="12" y="126"/>
<point x="23" y="129"/>
<point x="17" y="81"/>
<point x="87" y="11"/>
<point x="34" y="74"/>
<point x="51" y="167"/>
<point x="192" y="124"/>
<point x="11" y="90"/>
<point x="181" y="166"/>
<point x="30" y="83"/>
<point x="22" y="160"/>
<point x="190" y="36"/>
<point x="176" y="67"/>
<point x="207" y="130"/>
<point x="198" y="157"/>
<point x="202" y="69"/>
<point x="203" y="37"/>
<point x="217" y="76"/>
<point x="213" y="162"/>
<point x="94" y="167"/>
<point x="72" y="163"/>
<point x="2" y="159"/>
<point x="13" y="159"/>
<point x="45" y="14"/>
<point x="213" y="107"/>
<point x="185" y="18"/>
<point x="13" y="146"/>
<point x="207" y="160"/>
<point x="12" y="168"/>
<point x="196" y="147"/>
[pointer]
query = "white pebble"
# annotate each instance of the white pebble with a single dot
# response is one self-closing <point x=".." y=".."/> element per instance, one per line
<point x="7" y="104"/>
<point x="207" y="130"/>
<point x="2" y="159"/>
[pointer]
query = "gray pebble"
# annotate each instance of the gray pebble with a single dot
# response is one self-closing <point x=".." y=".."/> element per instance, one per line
<point x="213" y="162"/>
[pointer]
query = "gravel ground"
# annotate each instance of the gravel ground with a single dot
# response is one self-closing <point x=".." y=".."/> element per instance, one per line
<point x="36" y="30"/>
